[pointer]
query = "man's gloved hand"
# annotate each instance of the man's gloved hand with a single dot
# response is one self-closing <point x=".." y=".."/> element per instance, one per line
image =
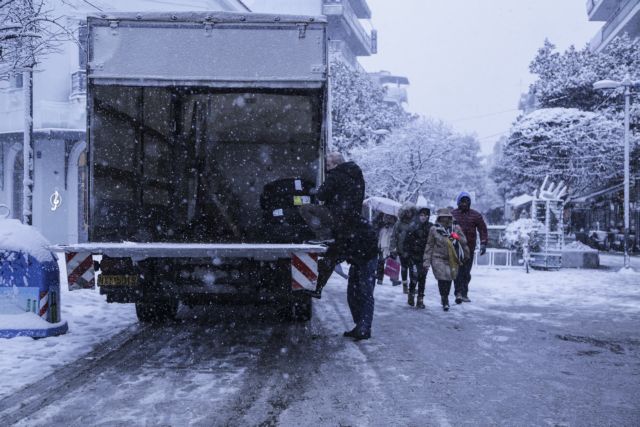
<point x="483" y="248"/>
<point x="393" y="254"/>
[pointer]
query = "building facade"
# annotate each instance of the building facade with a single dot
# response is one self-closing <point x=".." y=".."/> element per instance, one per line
<point x="60" y="203"/>
<point x="619" y="17"/>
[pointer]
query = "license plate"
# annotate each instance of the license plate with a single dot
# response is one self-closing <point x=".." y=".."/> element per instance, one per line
<point x="117" y="280"/>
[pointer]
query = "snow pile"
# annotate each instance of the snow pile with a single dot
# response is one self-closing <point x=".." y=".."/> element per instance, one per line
<point x="17" y="237"/>
<point x="25" y="321"/>
<point x="627" y="271"/>
<point x="578" y="246"/>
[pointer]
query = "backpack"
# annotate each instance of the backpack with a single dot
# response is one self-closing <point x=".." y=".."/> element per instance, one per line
<point x="281" y="218"/>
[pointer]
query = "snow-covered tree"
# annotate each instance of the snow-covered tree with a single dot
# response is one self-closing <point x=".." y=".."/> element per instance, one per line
<point x="566" y="79"/>
<point x="424" y="157"/>
<point x="29" y="30"/>
<point x="360" y="114"/>
<point x="577" y="135"/>
<point x="583" y="149"/>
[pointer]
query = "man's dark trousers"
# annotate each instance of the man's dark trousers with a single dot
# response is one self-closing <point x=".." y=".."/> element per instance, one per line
<point x="362" y="280"/>
<point x="464" y="277"/>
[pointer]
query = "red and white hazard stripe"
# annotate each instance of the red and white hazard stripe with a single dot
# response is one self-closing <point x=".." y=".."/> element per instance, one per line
<point x="304" y="270"/>
<point x="80" y="272"/>
<point x="43" y="305"/>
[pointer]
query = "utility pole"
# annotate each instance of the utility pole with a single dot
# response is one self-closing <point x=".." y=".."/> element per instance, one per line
<point x="27" y="147"/>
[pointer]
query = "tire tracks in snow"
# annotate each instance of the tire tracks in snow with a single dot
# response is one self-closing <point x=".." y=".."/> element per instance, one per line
<point x="279" y="377"/>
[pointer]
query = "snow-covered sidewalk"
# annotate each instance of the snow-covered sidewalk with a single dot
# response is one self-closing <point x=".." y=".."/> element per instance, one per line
<point x="24" y="360"/>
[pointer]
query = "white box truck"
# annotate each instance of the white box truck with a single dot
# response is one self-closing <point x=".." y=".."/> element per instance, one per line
<point x="205" y="133"/>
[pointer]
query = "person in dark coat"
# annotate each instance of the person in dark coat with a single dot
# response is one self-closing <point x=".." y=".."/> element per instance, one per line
<point x="357" y="244"/>
<point x="342" y="193"/>
<point x="406" y="216"/>
<point x="446" y="247"/>
<point x="471" y="223"/>
<point x="416" y="242"/>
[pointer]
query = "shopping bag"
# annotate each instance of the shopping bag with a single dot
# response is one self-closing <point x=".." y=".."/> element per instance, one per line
<point x="392" y="268"/>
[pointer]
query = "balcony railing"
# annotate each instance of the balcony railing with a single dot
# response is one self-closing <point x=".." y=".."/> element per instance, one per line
<point x="602" y="10"/>
<point x="615" y="24"/>
<point x="359" y="39"/>
<point x="78" y="83"/>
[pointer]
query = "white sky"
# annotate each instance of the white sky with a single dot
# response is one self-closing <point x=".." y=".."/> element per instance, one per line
<point x="470" y="58"/>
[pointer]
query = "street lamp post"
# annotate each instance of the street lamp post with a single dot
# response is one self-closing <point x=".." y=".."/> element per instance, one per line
<point x="627" y="84"/>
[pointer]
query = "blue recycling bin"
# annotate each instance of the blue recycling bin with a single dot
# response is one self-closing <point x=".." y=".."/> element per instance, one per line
<point x="29" y="294"/>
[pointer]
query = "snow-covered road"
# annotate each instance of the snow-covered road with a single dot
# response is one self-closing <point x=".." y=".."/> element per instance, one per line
<point x="547" y="348"/>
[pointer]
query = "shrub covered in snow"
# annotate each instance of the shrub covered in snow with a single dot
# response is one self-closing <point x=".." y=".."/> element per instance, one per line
<point x="514" y="234"/>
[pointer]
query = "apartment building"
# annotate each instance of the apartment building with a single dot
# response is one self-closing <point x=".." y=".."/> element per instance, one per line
<point x="619" y="16"/>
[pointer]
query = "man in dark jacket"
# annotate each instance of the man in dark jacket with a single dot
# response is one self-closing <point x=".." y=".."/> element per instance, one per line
<point x="358" y="245"/>
<point x="415" y="242"/>
<point x="470" y="221"/>
<point x="342" y="193"/>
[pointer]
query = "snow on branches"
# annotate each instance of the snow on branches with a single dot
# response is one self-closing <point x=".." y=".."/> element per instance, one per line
<point x="28" y="31"/>
<point x="577" y="133"/>
<point x="360" y="114"/>
<point x="583" y="149"/>
<point x="424" y="157"/>
<point x="566" y="79"/>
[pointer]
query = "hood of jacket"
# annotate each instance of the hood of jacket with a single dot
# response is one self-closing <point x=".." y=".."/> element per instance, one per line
<point x="407" y="211"/>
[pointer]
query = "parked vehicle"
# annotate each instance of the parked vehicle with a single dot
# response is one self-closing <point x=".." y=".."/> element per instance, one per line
<point x="197" y="124"/>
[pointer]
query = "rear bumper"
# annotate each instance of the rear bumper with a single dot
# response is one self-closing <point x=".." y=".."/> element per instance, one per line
<point x="141" y="251"/>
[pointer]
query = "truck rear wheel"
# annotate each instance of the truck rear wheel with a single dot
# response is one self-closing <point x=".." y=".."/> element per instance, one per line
<point x="156" y="312"/>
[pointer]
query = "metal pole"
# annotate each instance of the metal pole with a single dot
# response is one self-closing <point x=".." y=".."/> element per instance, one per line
<point x="27" y="148"/>
<point x="627" y="95"/>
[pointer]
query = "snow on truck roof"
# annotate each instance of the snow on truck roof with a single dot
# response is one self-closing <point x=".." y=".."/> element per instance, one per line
<point x="213" y="17"/>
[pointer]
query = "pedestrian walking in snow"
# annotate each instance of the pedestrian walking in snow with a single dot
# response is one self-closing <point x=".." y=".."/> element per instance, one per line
<point x="342" y="193"/>
<point x="445" y="251"/>
<point x="471" y="222"/>
<point x="416" y="242"/>
<point x="406" y="215"/>
<point x="385" y="229"/>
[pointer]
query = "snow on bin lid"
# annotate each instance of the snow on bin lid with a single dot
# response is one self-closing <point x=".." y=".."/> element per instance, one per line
<point x="15" y="236"/>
